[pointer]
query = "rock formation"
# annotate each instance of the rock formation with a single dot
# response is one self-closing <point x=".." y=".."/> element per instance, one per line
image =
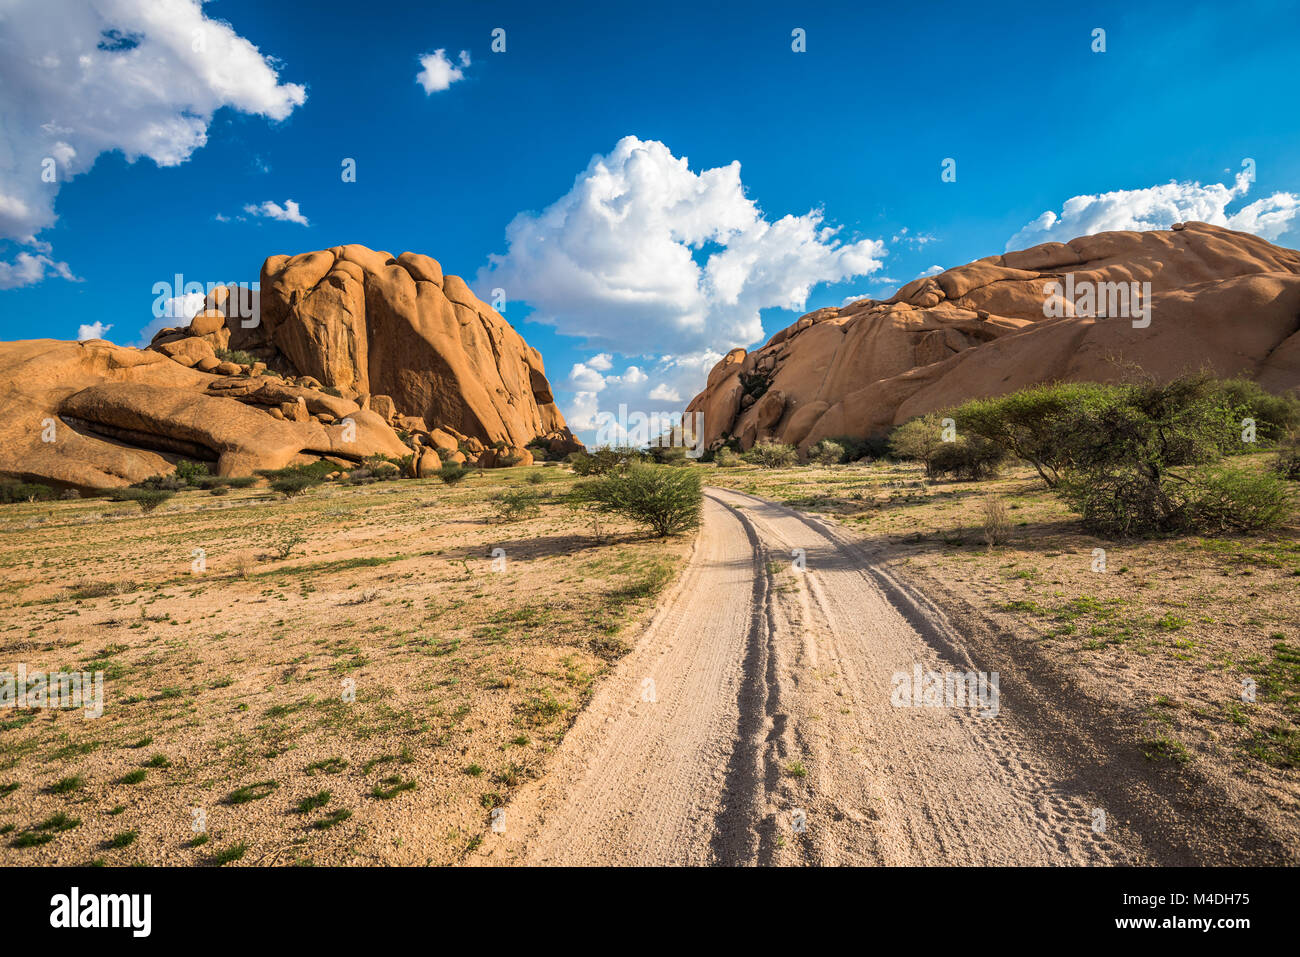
<point x="354" y="354"/>
<point x="1219" y="299"/>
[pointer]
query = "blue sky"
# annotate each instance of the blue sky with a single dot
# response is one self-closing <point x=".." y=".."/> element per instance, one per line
<point x="853" y="130"/>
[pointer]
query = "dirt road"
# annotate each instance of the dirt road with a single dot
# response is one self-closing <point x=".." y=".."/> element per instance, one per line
<point x="753" y="724"/>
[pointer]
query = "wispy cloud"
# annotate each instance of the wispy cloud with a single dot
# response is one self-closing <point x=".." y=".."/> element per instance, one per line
<point x="288" y="213"/>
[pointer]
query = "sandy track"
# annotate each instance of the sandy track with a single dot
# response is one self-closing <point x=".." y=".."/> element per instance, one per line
<point x="752" y="724"/>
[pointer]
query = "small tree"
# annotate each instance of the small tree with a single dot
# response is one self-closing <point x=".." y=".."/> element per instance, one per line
<point x="663" y="498"/>
<point x="920" y="439"/>
<point x="1032" y="424"/>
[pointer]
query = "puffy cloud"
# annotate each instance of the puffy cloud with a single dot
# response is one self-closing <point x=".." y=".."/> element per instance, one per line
<point x="438" y="73"/>
<point x="288" y="213"/>
<point x="643" y="255"/>
<point x="83" y="77"/>
<point x="1159" y="207"/>
<point x="934" y="271"/>
<point x="95" y="330"/>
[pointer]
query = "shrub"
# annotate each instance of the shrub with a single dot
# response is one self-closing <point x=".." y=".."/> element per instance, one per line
<point x="1287" y="462"/>
<point x="453" y="472"/>
<point x="535" y="478"/>
<point x="516" y="504"/>
<point x="1206" y="501"/>
<point x="236" y="356"/>
<point x="167" y="483"/>
<point x="11" y="492"/>
<point x="605" y="460"/>
<point x="726" y="458"/>
<point x="827" y="452"/>
<point x="968" y="457"/>
<point x="665" y="499"/>
<point x="1237" y="500"/>
<point x="1135" y="453"/>
<point x="191" y="473"/>
<point x="147" y="498"/>
<point x="872" y="446"/>
<point x="997" y="521"/>
<point x="1276" y="416"/>
<point x="772" y="455"/>
<point x="293" y="485"/>
<point x="1032" y="424"/>
<point x="919" y="440"/>
<point x="668" y="454"/>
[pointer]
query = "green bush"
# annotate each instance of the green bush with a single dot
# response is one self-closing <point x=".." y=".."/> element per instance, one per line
<point x="147" y="498"/>
<point x="1136" y="451"/>
<point x="1208" y="500"/>
<point x="11" y="492"/>
<point x="291" y="486"/>
<point x="236" y="356"/>
<point x="668" y="455"/>
<point x="969" y="457"/>
<point x="827" y="452"/>
<point x="1237" y="500"/>
<point x="919" y="440"/>
<point x="772" y="455"/>
<point x="663" y="498"/>
<point x="605" y="460"/>
<point x="1276" y="416"/>
<point x="191" y="473"/>
<point x="726" y="458"/>
<point x="855" y="448"/>
<point x="516" y="504"/>
<point x="453" y="472"/>
<point x="1032" y="424"/>
<point x="1287" y="462"/>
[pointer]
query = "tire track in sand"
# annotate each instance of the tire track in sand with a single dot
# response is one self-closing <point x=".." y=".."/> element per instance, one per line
<point x="752" y="724"/>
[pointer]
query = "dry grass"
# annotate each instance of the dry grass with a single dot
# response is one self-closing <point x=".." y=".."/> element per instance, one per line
<point x="316" y="703"/>
<point x="1166" y="634"/>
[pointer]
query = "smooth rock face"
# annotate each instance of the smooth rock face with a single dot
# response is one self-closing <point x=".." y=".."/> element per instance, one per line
<point x="419" y="343"/>
<point x="1220" y="299"/>
<point x="351" y="346"/>
<point x="92" y="415"/>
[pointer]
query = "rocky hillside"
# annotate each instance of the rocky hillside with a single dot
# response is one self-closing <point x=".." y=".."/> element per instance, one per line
<point x="1219" y="299"/>
<point x="352" y="354"/>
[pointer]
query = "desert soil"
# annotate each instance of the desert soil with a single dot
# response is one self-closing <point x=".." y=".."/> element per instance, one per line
<point x="352" y="678"/>
<point x="753" y="724"/>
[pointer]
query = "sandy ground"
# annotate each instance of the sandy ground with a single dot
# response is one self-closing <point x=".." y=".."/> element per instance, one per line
<point x="770" y="736"/>
<point x="352" y="679"/>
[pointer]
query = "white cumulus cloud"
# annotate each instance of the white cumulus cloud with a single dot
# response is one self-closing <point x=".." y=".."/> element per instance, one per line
<point x="288" y="213"/>
<point x="79" y="78"/>
<point x="438" y="73"/>
<point x="645" y="256"/>
<point x="1159" y="207"/>
<point x="95" y="330"/>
